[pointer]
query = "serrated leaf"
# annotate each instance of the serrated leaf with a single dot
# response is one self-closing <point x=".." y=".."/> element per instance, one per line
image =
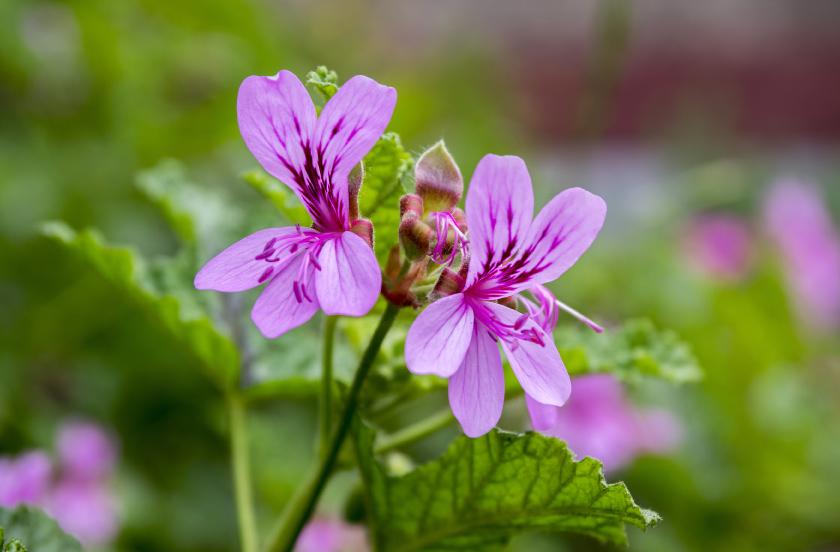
<point x="323" y="82"/>
<point x="481" y="492"/>
<point x="388" y="173"/>
<point x="280" y="196"/>
<point x="35" y="530"/>
<point x="636" y="349"/>
<point x="127" y="272"/>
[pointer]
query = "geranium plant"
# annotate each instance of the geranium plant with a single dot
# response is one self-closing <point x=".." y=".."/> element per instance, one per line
<point x="410" y="283"/>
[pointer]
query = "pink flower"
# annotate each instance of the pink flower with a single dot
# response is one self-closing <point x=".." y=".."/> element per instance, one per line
<point x="800" y="224"/>
<point x="719" y="246"/>
<point x="25" y="479"/>
<point x="598" y="421"/>
<point x="331" y="535"/>
<point x="85" y="509"/>
<point x="456" y="337"/>
<point x="327" y="266"/>
<point x="85" y="451"/>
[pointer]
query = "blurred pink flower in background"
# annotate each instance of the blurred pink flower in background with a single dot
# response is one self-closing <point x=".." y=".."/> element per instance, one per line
<point x="719" y="246"/>
<point x="599" y="421"/>
<point x="85" y="450"/>
<point x="85" y="509"/>
<point x="799" y="222"/>
<point x="25" y="479"/>
<point x="76" y="490"/>
<point x="332" y="535"/>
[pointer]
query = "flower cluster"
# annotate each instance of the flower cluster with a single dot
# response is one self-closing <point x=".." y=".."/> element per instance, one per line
<point x="486" y="266"/>
<point x="73" y="489"/>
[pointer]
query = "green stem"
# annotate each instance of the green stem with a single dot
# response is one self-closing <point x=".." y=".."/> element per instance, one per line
<point x="303" y="503"/>
<point x="415" y="432"/>
<point x="327" y="384"/>
<point x="240" y="462"/>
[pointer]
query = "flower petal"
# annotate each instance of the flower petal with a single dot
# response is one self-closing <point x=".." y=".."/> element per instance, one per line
<point x="236" y="268"/>
<point x="562" y="232"/>
<point x="543" y="416"/>
<point x="538" y="368"/>
<point x="477" y="389"/>
<point x="500" y="206"/>
<point x="349" y="280"/>
<point x="276" y="119"/>
<point x="350" y="124"/>
<point x="279" y="309"/>
<point x="438" y="339"/>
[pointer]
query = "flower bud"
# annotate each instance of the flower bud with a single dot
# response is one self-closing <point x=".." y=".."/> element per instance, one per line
<point x="448" y="283"/>
<point x="437" y="179"/>
<point x="364" y="229"/>
<point x="415" y="237"/>
<point x="354" y="185"/>
<point x="411" y="203"/>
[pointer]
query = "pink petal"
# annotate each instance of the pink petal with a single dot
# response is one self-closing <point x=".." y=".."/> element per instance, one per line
<point x="538" y="368"/>
<point x="438" y="339"/>
<point x="563" y="231"/>
<point x="349" y="126"/>
<point x="349" y="280"/>
<point x="500" y="205"/>
<point x="235" y="268"/>
<point x="278" y="308"/>
<point x="543" y="416"/>
<point x="276" y="119"/>
<point x="477" y="389"/>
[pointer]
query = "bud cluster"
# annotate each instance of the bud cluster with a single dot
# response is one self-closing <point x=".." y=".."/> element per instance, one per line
<point x="432" y="228"/>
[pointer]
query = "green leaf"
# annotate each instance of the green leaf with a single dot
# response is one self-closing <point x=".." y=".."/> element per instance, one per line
<point x="481" y="492"/>
<point x="35" y="530"/>
<point x="635" y="350"/>
<point x="283" y="199"/>
<point x="388" y="174"/>
<point x="323" y="82"/>
<point x="14" y="545"/>
<point x="128" y="273"/>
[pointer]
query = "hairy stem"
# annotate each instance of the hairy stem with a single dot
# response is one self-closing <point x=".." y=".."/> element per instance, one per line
<point x="303" y="504"/>
<point x="325" y="404"/>
<point x="240" y="462"/>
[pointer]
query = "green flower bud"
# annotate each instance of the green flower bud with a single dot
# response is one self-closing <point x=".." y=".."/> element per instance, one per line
<point x="354" y="185"/>
<point x="438" y="180"/>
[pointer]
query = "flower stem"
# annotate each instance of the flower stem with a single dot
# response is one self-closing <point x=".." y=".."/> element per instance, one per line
<point x="415" y="432"/>
<point x="326" y="384"/>
<point x="240" y="462"/>
<point x="303" y="503"/>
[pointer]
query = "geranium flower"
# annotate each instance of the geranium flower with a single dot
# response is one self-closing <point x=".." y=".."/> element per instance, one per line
<point x="456" y="337"/>
<point x="324" y="534"/>
<point x="25" y="479"/>
<point x="327" y="266"/>
<point x="600" y="422"/>
<point x="719" y="246"/>
<point x="799" y="221"/>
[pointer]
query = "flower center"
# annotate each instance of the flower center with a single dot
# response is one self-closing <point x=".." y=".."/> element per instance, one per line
<point x="510" y="333"/>
<point x="279" y="251"/>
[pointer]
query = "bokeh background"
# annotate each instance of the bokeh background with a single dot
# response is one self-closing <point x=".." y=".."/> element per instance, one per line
<point x="683" y="115"/>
